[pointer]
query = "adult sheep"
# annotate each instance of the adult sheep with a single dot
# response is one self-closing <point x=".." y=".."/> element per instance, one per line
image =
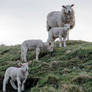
<point x="59" y="18"/>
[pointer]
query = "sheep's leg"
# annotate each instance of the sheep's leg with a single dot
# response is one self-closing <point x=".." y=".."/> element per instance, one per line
<point x="19" y="85"/>
<point x="60" y="43"/>
<point x="68" y="36"/>
<point x="13" y="84"/>
<point x="64" y="42"/>
<point x="4" y="83"/>
<point x="23" y="85"/>
<point x="25" y="55"/>
<point x="37" y="53"/>
<point x="22" y="52"/>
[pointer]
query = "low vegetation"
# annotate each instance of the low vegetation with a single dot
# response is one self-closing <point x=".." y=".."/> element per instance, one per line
<point x="67" y="70"/>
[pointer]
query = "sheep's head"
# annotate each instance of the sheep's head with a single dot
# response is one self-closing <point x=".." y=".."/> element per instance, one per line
<point x="68" y="9"/>
<point x="49" y="45"/>
<point x="66" y="28"/>
<point x="24" y="66"/>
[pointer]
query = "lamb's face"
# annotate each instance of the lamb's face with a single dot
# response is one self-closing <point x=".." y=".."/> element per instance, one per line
<point x="50" y="46"/>
<point x="24" y="66"/>
<point x="67" y="27"/>
<point x="68" y="9"/>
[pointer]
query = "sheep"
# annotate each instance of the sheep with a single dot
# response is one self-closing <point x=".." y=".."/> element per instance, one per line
<point x="59" y="18"/>
<point x="37" y="45"/>
<point x="16" y="74"/>
<point x="59" y="32"/>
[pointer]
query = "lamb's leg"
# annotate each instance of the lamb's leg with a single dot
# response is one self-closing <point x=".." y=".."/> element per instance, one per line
<point x="23" y="85"/>
<point x="68" y="36"/>
<point x="4" y="83"/>
<point x="23" y="53"/>
<point x="37" y="53"/>
<point x="60" y="43"/>
<point x="19" y="85"/>
<point x="13" y="84"/>
<point x="64" y="42"/>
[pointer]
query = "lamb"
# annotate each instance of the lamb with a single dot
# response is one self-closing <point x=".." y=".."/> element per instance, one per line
<point x="59" y="32"/>
<point x="16" y="74"/>
<point x="59" y="18"/>
<point x="37" y="45"/>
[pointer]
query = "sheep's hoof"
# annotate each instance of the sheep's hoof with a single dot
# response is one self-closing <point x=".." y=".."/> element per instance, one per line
<point x="60" y="46"/>
<point x="64" y="45"/>
<point x="36" y="60"/>
<point x="22" y="89"/>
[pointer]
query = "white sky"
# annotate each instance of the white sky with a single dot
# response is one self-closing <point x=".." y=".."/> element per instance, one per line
<point x="26" y="19"/>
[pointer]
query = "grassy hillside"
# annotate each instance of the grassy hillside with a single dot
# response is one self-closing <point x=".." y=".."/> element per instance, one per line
<point x="67" y="70"/>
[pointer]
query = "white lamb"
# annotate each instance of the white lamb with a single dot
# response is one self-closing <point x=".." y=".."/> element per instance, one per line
<point x="16" y="74"/>
<point x="37" y="45"/>
<point x="59" y="32"/>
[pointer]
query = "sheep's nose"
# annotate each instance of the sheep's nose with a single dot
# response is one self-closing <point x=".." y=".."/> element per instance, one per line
<point x="69" y="12"/>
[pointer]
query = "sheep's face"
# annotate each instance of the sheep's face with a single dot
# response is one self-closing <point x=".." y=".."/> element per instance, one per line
<point x="68" y="9"/>
<point x="24" y="66"/>
<point x="50" y="46"/>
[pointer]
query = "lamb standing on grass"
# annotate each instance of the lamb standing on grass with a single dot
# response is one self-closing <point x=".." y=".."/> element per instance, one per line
<point x="59" y="18"/>
<point x="16" y="74"/>
<point x="59" y="32"/>
<point x="37" y="45"/>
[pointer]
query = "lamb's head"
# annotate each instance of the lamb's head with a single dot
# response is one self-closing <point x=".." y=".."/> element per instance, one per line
<point x="49" y="45"/>
<point x="24" y="66"/>
<point x="68" y="9"/>
<point x="66" y="27"/>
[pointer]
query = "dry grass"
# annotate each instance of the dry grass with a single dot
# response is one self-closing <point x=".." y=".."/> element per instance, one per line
<point x="82" y="77"/>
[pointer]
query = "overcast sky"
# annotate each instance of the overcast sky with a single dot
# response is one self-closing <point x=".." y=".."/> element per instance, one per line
<point x="26" y="19"/>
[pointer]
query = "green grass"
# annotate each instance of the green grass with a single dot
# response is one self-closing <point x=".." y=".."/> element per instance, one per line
<point x="67" y="70"/>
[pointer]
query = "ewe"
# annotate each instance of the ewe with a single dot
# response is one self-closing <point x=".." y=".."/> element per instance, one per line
<point x="59" y="18"/>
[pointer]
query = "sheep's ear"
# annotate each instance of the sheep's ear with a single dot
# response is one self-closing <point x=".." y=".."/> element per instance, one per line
<point x="63" y="6"/>
<point x="72" y="5"/>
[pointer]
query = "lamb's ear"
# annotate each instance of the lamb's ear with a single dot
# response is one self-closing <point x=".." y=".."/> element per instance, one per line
<point x="72" y="5"/>
<point x="63" y="6"/>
